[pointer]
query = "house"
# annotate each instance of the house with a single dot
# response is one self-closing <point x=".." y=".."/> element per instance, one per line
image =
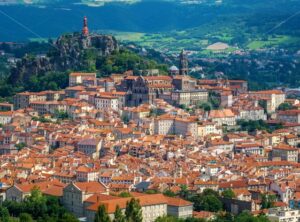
<point x="77" y="78"/>
<point x="220" y="146"/>
<point x="179" y="208"/>
<point x="252" y="113"/>
<point x="205" y="128"/>
<point x="250" y="148"/>
<point x="90" y="147"/>
<point x="86" y="174"/>
<point x="6" y="117"/>
<point x="223" y="117"/>
<point x="18" y="192"/>
<point x="201" y="185"/>
<point x="285" y="153"/>
<point x="6" y="107"/>
<point x="273" y="98"/>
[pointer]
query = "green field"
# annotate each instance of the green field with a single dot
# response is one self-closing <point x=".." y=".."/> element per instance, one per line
<point x="273" y="42"/>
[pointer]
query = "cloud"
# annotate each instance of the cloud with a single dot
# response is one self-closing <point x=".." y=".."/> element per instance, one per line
<point x="103" y="2"/>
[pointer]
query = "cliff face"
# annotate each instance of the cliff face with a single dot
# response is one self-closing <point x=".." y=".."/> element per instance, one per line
<point x="69" y="52"/>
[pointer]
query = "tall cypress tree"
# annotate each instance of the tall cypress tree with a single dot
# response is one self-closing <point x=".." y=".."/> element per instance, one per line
<point x="101" y="215"/>
<point x="118" y="216"/>
<point x="133" y="212"/>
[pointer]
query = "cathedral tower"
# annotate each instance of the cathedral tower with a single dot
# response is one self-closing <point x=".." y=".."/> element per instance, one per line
<point x="183" y="64"/>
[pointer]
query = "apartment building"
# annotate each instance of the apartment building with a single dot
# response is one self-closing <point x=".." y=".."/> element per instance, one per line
<point x="189" y="97"/>
<point x="283" y="214"/>
<point x="176" y="125"/>
<point x="105" y="102"/>
<point x="22" y="100"/>
<point x="273" y="97"/>
<point x="290" y="116"/>
<point x="284" y="152"/>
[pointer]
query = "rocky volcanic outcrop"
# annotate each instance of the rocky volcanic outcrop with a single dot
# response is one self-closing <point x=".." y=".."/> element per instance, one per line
<point x="68" y="52"/>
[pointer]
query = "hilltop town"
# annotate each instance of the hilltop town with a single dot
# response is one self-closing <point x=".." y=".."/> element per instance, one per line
<point x="172" y="142"/>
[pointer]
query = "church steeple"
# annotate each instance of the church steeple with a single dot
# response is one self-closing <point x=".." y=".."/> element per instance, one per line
<point x="85" y="29"/>
<point x="183" y="64"/>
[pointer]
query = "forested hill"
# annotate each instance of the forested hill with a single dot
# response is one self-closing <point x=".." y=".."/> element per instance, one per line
<point x="102" y="55"/>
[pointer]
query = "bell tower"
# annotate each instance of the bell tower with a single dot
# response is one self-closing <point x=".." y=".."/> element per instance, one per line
<point x="183" y="63"/>
<point x="85" y="29"/>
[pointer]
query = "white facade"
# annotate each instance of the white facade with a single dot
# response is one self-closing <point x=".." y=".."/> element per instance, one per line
<point x="107" y="103"/>
<point x="283" y="215"/>
<point x="5" y="117"/>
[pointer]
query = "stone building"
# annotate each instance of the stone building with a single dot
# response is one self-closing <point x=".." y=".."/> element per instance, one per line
<point x="183" y="63"/>
<point x="75" y="194"/>
<point x="145" y="89"/>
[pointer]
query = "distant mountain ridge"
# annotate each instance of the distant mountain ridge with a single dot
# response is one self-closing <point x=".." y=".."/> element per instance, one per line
<point x="60" y="16"/>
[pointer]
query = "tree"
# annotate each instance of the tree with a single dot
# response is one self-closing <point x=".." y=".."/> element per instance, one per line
<point x="169" y="193"/>
<point x="285" y="106"/>
<point x="192" y="219"/>
<point x="211" y="203"/>
<point x="59" y="114"/>
<point x="263" y="104"/>
<point x="101" y="215"/>
<point x="228" y="193"/>
<point x="184" y="192"/>
<point x="35" y="204"/>
<point x="125" y="119"/>
<point x="151" y="191"/>
<point x="166" y="219"/>
<point x="133" y="212"/>
<point x="267" y="201"/>
<point x="205" y="106"/>
<point x="210" y="192"/>
<point x="4" y="214"/>
<point x="25" y="217"/>
<point x="118" y="216"/>
<point x="223" y="217"/>
<point x="124" y="194"/>
<point x="214" y="99"/>
<point x="40" y="208"/>
<point x="245" y="217"/>
<point x="183" y="106"/>
<point x="20" y="146"/>
<point x="208" y="200"/>
<point x="67" y="217"/>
